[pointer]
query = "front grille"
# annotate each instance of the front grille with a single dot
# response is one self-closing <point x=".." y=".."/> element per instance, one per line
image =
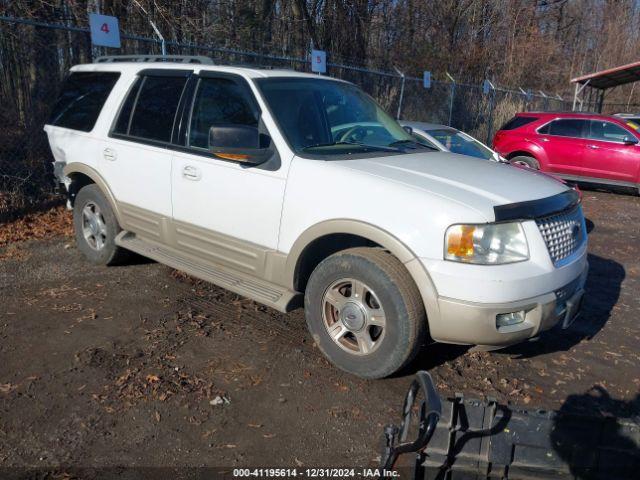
<point x="563" y="233"/>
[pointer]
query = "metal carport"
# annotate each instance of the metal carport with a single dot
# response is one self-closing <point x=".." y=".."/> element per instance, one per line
<point x="591" y="88"/>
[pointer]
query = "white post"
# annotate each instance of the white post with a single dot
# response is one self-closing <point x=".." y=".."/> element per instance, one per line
<point x="163" y="44"/>
<point x="451" y="96"/>
<point x="401" y="92"/>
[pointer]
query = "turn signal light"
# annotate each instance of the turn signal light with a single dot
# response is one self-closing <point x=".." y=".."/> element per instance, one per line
<point x="233" y="156"/>
<point x="460" y="241"/>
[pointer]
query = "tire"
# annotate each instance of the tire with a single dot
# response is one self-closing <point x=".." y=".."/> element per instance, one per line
<point x="525" y="161"/>
<point x="389" y="297"/>
<point x="96" y="230"/>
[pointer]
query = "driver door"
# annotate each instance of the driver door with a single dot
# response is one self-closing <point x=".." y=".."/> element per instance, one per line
<point x="225" y="211"/>
<point x="608" y="156"/>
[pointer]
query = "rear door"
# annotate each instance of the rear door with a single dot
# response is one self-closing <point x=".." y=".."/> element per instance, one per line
<point x="136" y="159"/>
<point x="607" y="156"/>
<point x="563" y="141"/>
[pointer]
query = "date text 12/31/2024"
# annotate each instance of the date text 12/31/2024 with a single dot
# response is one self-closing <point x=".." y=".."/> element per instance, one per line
<point x="314" y="473"/>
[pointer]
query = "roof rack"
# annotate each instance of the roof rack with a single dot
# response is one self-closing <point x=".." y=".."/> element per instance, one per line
<point x="155" y="59"/>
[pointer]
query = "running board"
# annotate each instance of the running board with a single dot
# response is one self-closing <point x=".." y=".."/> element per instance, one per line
<point x="267" y="293"/>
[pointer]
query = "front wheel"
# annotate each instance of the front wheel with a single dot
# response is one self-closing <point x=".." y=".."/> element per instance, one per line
<point x="365" y="312"/>
<point x="525" y="161"/>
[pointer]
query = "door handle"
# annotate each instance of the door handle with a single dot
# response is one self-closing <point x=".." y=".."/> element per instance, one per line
<point x="191" y="173"/>
<point x="109" y="154"/>
<point x="593" y="147"/>
<point x="543" y="139"/>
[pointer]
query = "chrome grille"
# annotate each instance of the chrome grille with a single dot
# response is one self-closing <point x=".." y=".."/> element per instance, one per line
<point x="563" y="233"/>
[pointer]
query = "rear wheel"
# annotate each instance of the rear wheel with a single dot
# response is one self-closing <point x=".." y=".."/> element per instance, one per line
<point x="365" y="312"/>
<point x="525" y="161"/>
<point x="96" y="227"/>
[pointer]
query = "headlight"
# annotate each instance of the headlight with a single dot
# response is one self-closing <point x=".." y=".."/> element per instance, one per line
<point x="487" y="244"/>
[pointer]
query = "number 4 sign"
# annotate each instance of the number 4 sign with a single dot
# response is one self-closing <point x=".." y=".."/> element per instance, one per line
<point x="104" y="30"/>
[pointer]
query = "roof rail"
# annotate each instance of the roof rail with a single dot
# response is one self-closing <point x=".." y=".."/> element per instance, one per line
<point x="155" y="59"/>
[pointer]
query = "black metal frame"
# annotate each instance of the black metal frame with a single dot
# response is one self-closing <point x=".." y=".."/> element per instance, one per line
<point x="430" y="412"/>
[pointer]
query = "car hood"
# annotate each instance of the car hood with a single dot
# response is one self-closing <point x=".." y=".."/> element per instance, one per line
<point x="478" y="184"/>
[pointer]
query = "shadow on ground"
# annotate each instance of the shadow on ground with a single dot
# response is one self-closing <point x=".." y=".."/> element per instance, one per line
<point x="598" y="436"/>
<point x="602" y="291"/>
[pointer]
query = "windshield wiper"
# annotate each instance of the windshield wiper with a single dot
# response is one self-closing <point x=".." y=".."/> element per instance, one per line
<point x="412" y="142"/>
<point x="388" y="148"/>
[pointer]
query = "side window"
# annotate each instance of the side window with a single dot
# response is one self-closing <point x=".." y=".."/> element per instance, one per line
<point x="545" y="130"/>
<point x="517" y="122"/>
<point x="155" y="108"/>
<point x="220" y="101"/>
<point x="82" y="98"/>
<point x="607" y="131"/>
<point x="124" y="117"/>
<point x="568" y="127"/>
<point x="420" y="139"/>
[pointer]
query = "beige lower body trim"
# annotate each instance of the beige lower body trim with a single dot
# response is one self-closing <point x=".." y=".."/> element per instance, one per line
<point x="211" y="247"/>
<point x="211" y="250"/>
<point x="249" y="286"/>
<point x="469" y="323"/>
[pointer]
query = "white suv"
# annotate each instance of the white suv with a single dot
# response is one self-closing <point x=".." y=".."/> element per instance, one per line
<point x="280" y="186"/>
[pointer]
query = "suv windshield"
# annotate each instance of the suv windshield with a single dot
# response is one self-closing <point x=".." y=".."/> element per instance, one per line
<point x="328" y="117"/>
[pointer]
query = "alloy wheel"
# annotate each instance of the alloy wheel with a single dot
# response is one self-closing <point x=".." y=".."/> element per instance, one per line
<point x="353" y="316"/>
<point x="94" y="228"/>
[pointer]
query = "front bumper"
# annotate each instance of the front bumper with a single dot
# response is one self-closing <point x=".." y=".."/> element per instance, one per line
<point x="475" y="323"/>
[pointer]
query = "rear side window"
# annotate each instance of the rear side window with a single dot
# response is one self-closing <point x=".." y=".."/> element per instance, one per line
<point x="567" y="127"/>
<point x="517" y="122"/>
<point x="82" y="98"/>
<point x="155" y="108"/>
<point x="124" y="117"/>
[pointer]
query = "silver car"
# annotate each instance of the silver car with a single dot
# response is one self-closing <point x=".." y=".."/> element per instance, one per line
<point x="449" y="139"/>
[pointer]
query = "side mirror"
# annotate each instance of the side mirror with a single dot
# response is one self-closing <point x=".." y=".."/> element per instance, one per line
<point x="630" y="140"/>
<point x="240" y="143"/>
<point x="408" y="129"/>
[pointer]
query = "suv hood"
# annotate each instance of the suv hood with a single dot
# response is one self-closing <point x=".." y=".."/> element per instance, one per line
<point x="478" y="184"/>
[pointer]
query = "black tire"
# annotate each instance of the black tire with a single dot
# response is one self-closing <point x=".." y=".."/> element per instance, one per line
<point x="406" y="323"/>
<point x="109" y="253"/>
<point x="525" y="161"/>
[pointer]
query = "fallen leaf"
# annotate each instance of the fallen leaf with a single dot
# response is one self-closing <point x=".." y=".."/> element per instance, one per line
<point x="6" y="387"/>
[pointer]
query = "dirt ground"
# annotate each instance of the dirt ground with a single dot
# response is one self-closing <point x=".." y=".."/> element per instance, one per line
<point x="141" y="366"/>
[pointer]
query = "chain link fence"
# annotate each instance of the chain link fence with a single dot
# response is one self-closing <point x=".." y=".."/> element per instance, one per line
<point x="35" y="57"/>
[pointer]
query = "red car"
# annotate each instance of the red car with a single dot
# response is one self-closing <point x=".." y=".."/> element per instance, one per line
<point x="584" y="147"/>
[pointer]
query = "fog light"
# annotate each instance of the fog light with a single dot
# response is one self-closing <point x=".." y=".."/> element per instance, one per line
<point x="506" y="319"/>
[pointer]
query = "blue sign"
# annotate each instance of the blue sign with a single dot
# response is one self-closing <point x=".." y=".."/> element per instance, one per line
<point x="104" y="30"/>
<point x="319" y="61"/>
<point x="426" y="79"/>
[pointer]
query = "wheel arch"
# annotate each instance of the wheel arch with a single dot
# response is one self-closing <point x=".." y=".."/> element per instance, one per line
<point x="521" y="153"/>
<point x="81" y="175"/>
<point x="331" y="236"/>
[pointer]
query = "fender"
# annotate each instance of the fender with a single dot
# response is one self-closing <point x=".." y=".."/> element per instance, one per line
<point x="375" y="234"/>
<point x="77" y="167"/>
